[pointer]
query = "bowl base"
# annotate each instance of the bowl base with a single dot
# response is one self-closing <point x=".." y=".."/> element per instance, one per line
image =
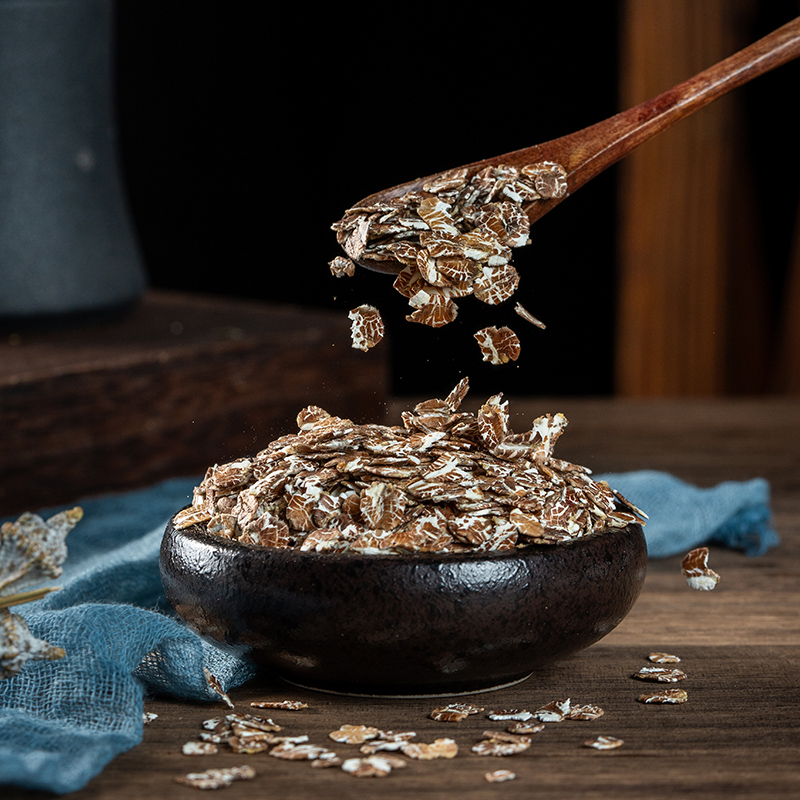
<point x="410" y="695"/>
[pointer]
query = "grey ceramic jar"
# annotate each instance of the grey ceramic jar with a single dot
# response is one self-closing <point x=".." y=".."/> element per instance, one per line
<point x="67" y="246"/>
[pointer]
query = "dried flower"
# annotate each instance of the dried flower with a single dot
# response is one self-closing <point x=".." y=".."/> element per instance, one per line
<point x="31" y="550"/>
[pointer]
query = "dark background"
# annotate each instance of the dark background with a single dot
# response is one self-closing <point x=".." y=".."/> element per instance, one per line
<point x="245" y="135"/>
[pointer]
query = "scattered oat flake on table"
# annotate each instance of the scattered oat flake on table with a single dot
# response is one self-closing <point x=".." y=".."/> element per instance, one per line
<point x="250" y="740"/>
<point x="387" y="741"/>
<point x="585" y="712"/>
<point x="148" y="717"/>
<point x="506" y="736"/>
<point x="326" y="760"/>
<point x="519" y="714"/>
<point x="217" y="738"/>
<point x="354" y="734"/>
<point x="397" y="736"/>
<point x="217" y="778"/>
<point x="372" y="766"/>
<point x="500" y="775"/>
<point x="213" y="682"/>
<point x="251" y="721"/>
<point x="663" y="658"/>
<point x="287" y="705"/>
<point x="199" y="749"/>
<point x="366" y="328"/>
<point x="377" y="745"/>
<point x="498" y="345"/>
<point x="299" y="739"/>
<point x="664" y="696"/>
<point x="448" y="715"/>
<point x="495" y="747"/>
<point x="454" y="712"/>
<point x="525" y="728"/>
<point x="660" y="674"/>
<point x="300" y="752"/>
<point x="249" y="746"/>
<point x="604" y="743"/>
<point x="696" y="570"/>
<point x="554" y="712"/>
<point x="528" y="317"/>
<point x="219" y="735"/>
<point x="439" y="748"/>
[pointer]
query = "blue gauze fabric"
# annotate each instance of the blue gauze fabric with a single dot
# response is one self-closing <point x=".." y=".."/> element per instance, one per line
<point x="681" y="516"/>
<point x="62" y="721"/>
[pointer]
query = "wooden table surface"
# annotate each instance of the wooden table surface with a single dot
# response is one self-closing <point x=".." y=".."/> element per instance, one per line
<point x="738" y="736"/>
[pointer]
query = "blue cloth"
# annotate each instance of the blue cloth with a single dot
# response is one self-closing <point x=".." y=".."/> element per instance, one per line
<point x="62" y="721"/>
<point x="681" y="516"/>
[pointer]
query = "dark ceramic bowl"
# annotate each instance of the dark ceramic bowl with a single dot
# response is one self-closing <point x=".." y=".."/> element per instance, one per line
<point x="404" y="625"/>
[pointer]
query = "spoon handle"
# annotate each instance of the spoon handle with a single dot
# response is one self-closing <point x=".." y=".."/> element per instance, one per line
<point x="589" y="151"/>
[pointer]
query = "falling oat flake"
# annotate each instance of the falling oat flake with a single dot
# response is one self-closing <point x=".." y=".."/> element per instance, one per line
<point x="452" y="240"/>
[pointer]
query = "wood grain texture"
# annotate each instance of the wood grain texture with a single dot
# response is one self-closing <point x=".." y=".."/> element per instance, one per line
<point x="737" y="736"/>
<point x="181" y="383"/>
<point x="690" y="273"/>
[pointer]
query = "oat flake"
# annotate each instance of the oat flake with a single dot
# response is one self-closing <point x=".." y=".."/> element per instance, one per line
<point x="439" y="748"/>
<point x="498" y="345"/>
<point x="697" y="572"/>
<point x="604" y="743"/>
<point x="217" y="778"/>
<point x="199" y="749"/>
<point x="354" y="734"/>
<point x="366" y="328"/>
<point x="668" y="696"/>
<point x="660" y="674"/>
<point x="518" y="714"/>
<point x="663" y="658"/>
<point x="500" y="775"/>
<point x="287" y="705"/>
<point x="213" y="682"/>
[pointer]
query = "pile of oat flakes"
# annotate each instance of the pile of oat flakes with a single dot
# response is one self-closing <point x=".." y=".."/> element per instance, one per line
<point x="450" y="240"/>
<point x="445" y="481"/>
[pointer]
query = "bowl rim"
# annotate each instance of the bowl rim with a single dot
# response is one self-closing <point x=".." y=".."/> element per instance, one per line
<point x="197" y="532"/>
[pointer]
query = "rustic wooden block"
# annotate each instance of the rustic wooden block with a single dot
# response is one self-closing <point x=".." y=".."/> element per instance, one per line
<point x="180" y="383"/>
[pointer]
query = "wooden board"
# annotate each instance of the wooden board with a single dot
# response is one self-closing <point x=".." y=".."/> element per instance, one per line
<point x="180" y="383"/>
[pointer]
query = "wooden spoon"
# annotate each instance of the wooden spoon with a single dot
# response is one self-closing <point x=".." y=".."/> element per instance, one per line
<point x="587" y="152"/>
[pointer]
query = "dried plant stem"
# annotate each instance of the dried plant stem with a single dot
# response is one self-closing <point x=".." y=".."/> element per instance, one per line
<point x="26" y="597"/>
